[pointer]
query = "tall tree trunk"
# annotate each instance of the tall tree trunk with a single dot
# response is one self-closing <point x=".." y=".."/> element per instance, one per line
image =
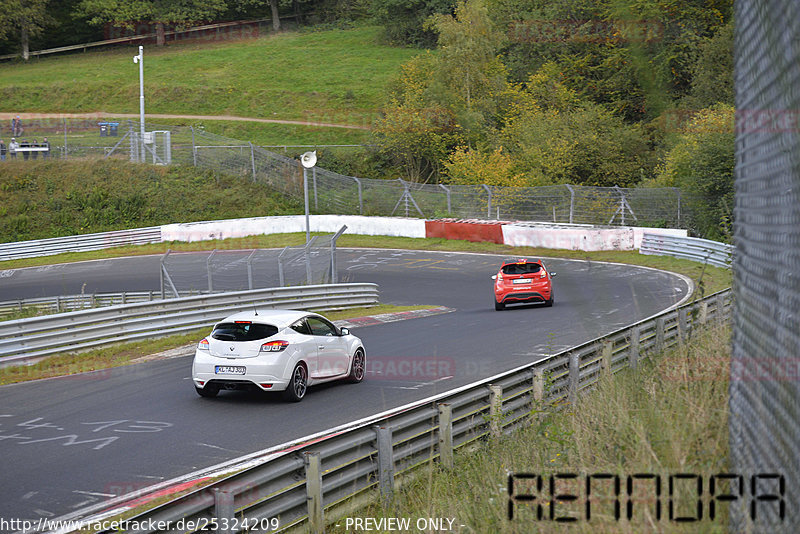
<point x="276" y="21"/>
<point x="25" y="45"/>
<point x="296" y="7"/>
<point x="160" y="38"/>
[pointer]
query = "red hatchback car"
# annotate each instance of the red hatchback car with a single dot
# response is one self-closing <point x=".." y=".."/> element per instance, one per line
<point x="521" y="280"/>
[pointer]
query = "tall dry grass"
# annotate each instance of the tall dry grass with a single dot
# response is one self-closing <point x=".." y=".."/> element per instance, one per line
<point x="669" y="417"/>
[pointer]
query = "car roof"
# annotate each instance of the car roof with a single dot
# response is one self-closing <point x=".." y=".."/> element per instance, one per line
<point x="279" y="318"/>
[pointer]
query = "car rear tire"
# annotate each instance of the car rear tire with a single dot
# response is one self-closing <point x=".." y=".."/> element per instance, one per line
<point x="499" y="306"/>
<point x="298" y="384"/>
<point x="549" y="303"/>
<point x="357" y="367"/>
<point x="207" y="392"/>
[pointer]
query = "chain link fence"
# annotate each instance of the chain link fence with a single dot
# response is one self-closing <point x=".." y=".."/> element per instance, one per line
<point x="238" y="270"/>
<point x="765" y="367"/>
<point x="335" y="193"/>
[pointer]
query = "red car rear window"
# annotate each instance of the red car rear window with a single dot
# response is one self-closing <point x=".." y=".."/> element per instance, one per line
<point x="522" y="268"/>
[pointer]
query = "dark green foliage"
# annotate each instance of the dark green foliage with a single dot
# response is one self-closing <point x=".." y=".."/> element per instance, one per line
<point x="403" y="20"/>
<point x="47" y="199"/>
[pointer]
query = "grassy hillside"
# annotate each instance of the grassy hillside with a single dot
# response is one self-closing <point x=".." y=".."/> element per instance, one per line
<point x="57" y="198"/>
<point x="336" y="76"/>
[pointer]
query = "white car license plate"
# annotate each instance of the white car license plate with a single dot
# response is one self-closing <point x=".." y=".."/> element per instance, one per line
<point x="229" y="370"/>
<point x="523" y="281"/>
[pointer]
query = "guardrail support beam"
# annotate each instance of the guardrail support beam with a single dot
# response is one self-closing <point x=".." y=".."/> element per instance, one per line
<point x="385" y="462"/>
<point x="607" y="351"/>
<point x="446" y="435"/>
<point x="660" y="333"/>
<point x="574" y="376"/>
<point x="720" y="308"/>
<point x="538" y="385"/>
<point x="495" y="410"/>
<point x="683" y="323"/>
<point x="224" y="511"/>
<point x="313" y="464"/>
<point x="633" y="356"/>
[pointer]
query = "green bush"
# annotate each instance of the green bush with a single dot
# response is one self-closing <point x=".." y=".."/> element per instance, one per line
<point x="58" y="198"/>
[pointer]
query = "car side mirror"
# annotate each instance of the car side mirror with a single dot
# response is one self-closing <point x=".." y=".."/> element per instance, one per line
<point x="344" y="331"/>
<point x="494" y="277"/>
<point x="553" y="274"/>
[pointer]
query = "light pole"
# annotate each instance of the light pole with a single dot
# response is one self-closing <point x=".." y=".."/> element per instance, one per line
<point x="140" y="60"/>
<point x="307" y="160"/>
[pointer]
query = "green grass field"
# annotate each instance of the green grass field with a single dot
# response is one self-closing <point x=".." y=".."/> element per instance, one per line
<point x="335" y="76"/>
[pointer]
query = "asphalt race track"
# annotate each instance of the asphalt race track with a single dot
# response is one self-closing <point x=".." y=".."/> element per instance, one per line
<point x="70" y="442"/>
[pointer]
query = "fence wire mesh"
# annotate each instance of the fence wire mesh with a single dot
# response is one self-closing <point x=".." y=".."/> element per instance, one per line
<point x="238" y="270"/>
<point x="330" y="192"/>
<point x="764" y="392"/>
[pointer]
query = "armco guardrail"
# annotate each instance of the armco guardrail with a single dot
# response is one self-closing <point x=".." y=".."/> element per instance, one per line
<point x="64" y="303"/>
<point x="300" y="482"/>
<point x="690" y="248"/>
<point x="26" y="340"/>
<point x="79" y="243"/>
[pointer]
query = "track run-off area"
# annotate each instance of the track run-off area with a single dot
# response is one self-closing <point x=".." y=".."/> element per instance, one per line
<point x="76" y="441"/>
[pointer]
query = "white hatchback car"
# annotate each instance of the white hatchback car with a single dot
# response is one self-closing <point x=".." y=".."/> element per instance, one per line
<point x="276" y="350"/>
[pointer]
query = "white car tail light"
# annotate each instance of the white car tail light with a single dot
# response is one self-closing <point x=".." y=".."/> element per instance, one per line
<point x="203" y="345"/>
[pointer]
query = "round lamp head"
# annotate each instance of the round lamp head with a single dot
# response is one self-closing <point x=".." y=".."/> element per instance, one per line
<point x="309" y="159"/>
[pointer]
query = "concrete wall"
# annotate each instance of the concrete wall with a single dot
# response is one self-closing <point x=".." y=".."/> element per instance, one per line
<point x="543" y="235"/>
<point x="356" y="224"/>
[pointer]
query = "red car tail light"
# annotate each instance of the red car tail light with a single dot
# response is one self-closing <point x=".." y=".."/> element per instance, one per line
<point x="543" y="275"/>
<point x="274" y="346"/>
<point x="203" y="345"/>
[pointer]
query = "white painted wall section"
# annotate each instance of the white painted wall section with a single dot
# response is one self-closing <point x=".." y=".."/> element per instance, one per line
<point x="356" y="224"/>
<point x="587" y="239"/>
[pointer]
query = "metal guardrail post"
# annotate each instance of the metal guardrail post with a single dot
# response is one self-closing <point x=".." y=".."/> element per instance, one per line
<point x="314" y="184"/>
<point x="333" y="252"/>
<point x="224" y="511"/>
<point x="720" y="300"/>
<point x="385" y="462"/>
<point x="253" y="160"/>
<point x="607" y="352"/>
<point x="445" y="435"/>
<point x="538" y="386"/>
<point x="447" y="192"/>
<point x="313" y="465"/>
<point x="633" y="356"/>
<point x="307" y="259"/>
<point x="165" y="276"/>
<point x="489" y="204"/>
<point x="495" y="410"/>
<point x="683" y="323"/>
<point x="208" y="270"/>
<point x="360" y="197"/>
<point x="281" y="277"/>
<point x="250" y="270"/>
<point x="574" y="376"/>
<point x="571" y="202"/>
<point x="703" y="312"/>
<point x="660" y="333"/>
